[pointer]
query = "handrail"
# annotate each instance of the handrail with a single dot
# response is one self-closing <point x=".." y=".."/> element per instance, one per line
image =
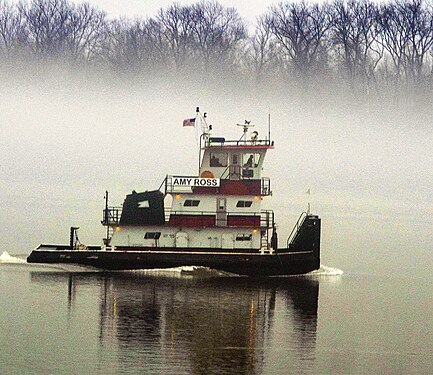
<point x="266" y="216"/>
<point x="296" y="228"/>
<point x="265" y="184"/>
<point x="111" y="216"/>
<point x="241" y="142"/>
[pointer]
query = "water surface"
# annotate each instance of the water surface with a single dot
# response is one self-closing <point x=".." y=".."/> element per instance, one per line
<point x="63" y="320"/>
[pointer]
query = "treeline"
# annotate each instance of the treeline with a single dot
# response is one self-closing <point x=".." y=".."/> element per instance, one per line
<point x="363" y="43"/>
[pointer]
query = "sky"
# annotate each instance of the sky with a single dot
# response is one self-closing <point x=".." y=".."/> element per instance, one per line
<point x="147" y="8"/>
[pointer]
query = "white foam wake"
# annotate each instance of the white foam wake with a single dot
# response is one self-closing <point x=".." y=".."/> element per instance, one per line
<point x="6" y="258"/>
<point x="182" y="271"/>
<point x="326" y="271"/>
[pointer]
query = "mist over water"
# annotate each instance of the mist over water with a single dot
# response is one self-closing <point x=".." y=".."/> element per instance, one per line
<point x="67" y="136"/>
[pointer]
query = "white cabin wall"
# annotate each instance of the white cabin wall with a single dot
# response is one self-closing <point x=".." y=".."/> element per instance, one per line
<point x="208" y="203"/>
<point x="197" y="237"/>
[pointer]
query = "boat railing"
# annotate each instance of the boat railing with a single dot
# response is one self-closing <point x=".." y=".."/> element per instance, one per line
<point x="266" y="186"/>
<point x="296" y="228"/>
<point x="170" y="186"/>
<point x="221" y="141"/>
<point x="180" y="184"/>
<point x="111" y="216"/>
<point x="262" y="219"/>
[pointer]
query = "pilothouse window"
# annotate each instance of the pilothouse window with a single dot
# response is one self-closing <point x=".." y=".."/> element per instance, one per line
<point x="218" y="159"/>
<point x="191" y="203"/>
<point x="251" y="160"/>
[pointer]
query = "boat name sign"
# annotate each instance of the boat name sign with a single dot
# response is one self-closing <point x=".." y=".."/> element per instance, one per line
<point x="196" y="181"/>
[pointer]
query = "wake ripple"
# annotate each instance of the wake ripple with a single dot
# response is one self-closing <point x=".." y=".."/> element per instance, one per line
<point x="197" y="271"/>
<point x="326" y="271"/>
<point x="6" y="258"/>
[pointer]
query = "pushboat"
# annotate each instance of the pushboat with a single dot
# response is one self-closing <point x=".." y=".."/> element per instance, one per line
<point x="214" y="219"/>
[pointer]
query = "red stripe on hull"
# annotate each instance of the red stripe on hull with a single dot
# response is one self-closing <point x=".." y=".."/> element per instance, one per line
<point x="243" y="221"/>
<point x="232" y="187"/>
<point x="192" y="220"/>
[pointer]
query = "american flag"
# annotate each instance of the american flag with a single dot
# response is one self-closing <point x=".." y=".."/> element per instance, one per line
<point x="189" y="122"/>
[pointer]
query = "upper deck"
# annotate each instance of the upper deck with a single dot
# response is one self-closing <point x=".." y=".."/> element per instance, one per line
<point x="233" y="159"/>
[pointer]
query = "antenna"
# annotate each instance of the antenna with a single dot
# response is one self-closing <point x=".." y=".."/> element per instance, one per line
<point x="205" y="128"/>
<point x="205" y="132"/>
<point x="269" y="127"/>
<point x="245" y="126"/>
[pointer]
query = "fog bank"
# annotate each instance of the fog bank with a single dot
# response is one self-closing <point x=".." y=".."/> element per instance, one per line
<point x="67" y="137"/>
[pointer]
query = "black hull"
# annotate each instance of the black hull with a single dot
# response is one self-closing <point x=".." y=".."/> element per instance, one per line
<point x="302" y="256"/>
<point x="242" y="264"/>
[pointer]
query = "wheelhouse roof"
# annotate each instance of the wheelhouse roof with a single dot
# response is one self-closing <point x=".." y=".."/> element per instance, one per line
<point x="240" y="144"/>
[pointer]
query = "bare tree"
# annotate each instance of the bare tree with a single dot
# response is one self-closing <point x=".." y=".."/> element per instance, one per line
<point x="86" y="28"/>
<point x="302" y="30"/>
<point x="46" y="25"/>
<point x="176" y="33"/>
<point x="217" y="33"/>
<point x="58" y="29"/>
<point x="263" y="56"/>
<point x="178" y="39"/>
<point x="406" y="33"/>
<point x="355" y="39"/>
<point x="134" y="46"/>
<point x="13" y="35"/>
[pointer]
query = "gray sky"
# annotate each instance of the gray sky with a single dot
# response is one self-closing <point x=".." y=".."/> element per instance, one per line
<point x="148" y="8"/>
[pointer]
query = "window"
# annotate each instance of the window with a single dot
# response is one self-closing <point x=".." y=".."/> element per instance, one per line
<point x="250" y="160"/>
<point x="244" y="237"/>
<point x="244" y="204"/>
<point x="152" y="235"/>
<point x="191" y="203"/>
<point x="218" y="159"/>
<point x="235" y="159"/>
<point x="144" y="204"/>
<point x="221" y="204"/>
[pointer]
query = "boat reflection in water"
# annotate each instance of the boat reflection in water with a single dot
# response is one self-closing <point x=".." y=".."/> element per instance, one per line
<point x="167" y="324"/>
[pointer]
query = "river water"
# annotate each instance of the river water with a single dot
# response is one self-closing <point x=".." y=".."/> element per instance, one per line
<point x="73" y="320"/>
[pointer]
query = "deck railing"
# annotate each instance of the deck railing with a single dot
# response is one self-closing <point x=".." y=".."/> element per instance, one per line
<point x="111" y="216"/>
<point x="168" y="185"/>
<point x="264" y="218"/>
<point x="220" y="141"/>
<point x="296" y="228"/>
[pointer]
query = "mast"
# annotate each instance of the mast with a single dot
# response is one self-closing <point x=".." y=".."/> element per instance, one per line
<point x="269" y="128"/>
<point x="205" y="132"/>
<point x="106" y="214"/>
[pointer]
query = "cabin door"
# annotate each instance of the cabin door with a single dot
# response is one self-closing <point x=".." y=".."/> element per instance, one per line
<point x="235" y="166"/>
<point x="227" y="241"/>
<point x="221" y="212"/>
<point x="181" y="239"/>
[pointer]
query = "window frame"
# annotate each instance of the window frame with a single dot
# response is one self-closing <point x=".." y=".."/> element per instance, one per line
<point x="191" y="203"/>
<point x="242" y="237"/>
<point x="221" y="157"/>
<point x="244" y="204"/>
<point x="152" y="235"/>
